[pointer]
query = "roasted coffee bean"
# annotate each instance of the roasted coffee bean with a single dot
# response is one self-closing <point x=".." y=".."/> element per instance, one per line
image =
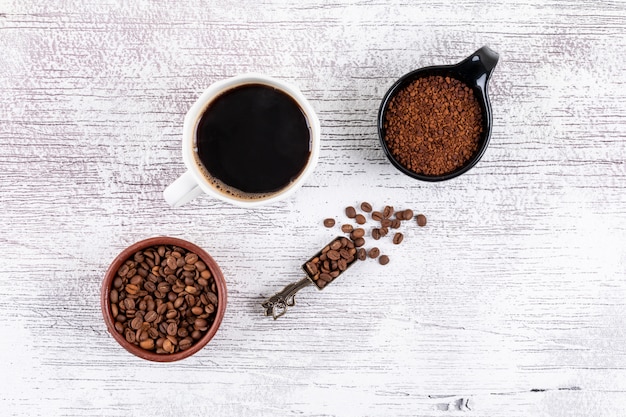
<point x="119" y="327"/>
<point x="347" y="228"/>
<point x="386" y="222"/>
<point x="149" y="286"/>
<point x="147" y="344"/>
<point x="191" y="258"/>
<point x="421" y="220"/>
<point x="358" y="242"/>
<point x="326" y="277"/>
<point x="172" y="328"/>
<point x="136" y="323"/>
<point x="311" y="268"/>
<point x="383" y="231"/>
<point x="123" y="270"/>
<point x="200" y="324"/>
<point x="383" y="259"/>
<point x="150" y="316"/>
<point x="178" y="302"/>
<point x="128" y="303"/>
<point x="118" y="283"/>
<point x="129" y="335"/>
<point x="387" y="212"/>
<point x="168" y="346"/>
<point x="160" y="290"/>
<point x="350" y="212"/>
<point x="185" y="343"/>
<point x="335" y="244"/>
<point x="171" y="263"/>
<point x="395" y="224"/>
<point x="329" y="222"/>
<point x="377" y="215"/>
<point x="373" y="253"/>
<point x="366" y="207"/>
<point x="408" y="214"/>
<point x="397" y="238"/>
<point x="131" y="289"/>
<point x="376" y="233"/>
<point x="361" y="254"/>
<point x="357" y="233"/>
<point x="333" y="255"/>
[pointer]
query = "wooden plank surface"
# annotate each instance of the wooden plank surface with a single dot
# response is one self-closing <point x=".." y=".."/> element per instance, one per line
<point x="510" y="302"/>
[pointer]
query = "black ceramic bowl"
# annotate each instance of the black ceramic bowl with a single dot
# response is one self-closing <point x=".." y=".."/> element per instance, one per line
<point x="474" y="71"/>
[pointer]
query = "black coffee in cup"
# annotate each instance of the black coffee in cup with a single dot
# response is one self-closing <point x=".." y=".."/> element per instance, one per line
<point x="252" y="141"/>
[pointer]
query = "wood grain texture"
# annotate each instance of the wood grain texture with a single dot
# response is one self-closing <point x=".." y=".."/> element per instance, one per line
<point x="510" y="302"/>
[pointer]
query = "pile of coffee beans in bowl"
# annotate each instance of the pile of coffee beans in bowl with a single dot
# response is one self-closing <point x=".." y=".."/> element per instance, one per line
<point x="163" y="302"/>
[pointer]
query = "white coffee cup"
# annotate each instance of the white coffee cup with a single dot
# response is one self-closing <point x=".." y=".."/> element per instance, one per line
<point x="195" y="181"/>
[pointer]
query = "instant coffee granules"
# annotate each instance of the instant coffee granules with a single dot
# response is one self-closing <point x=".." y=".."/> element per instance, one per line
<point x="433" y="125"/>
<point x="163" y="299"/>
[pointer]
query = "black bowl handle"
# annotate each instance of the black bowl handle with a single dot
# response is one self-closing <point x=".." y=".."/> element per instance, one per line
<point x="479" y="65"/>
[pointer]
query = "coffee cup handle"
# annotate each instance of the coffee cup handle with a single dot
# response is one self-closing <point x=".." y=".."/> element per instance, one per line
<point x="182" y="191"/>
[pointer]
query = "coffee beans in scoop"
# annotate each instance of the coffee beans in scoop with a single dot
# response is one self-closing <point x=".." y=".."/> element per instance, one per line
<point x="163" y="299"/>
<point x="331" y="261"/>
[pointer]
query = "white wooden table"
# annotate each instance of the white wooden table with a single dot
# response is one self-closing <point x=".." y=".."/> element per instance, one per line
<point x="510" y="302"/>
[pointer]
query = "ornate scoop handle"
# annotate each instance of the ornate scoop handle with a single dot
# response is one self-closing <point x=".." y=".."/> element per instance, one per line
<point x="277" y="304"/>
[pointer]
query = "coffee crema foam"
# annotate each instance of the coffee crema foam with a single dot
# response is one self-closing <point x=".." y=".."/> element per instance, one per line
<point x="231" y="192"/>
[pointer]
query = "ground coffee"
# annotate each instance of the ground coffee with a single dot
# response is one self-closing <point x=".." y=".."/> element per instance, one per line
<point x="433" y="125"/>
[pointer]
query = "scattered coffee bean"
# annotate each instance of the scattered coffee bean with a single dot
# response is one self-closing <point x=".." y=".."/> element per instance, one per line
<point x="357" y="233"/>
<point x="332" y="263"/>
<point x="158" y="296"/>
<point x="347" y="228"/>
<point x="329" y="222"/>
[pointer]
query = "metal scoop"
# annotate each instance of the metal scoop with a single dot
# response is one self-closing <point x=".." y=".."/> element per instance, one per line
<point x="323" y="268"/>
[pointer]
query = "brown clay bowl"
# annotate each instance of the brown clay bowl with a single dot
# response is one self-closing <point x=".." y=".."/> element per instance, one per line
<point x="106" y="303"/>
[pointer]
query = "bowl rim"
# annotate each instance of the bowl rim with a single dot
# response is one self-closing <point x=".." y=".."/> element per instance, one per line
<point x="105" y="302"/>
<point x="441" y="70"/>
